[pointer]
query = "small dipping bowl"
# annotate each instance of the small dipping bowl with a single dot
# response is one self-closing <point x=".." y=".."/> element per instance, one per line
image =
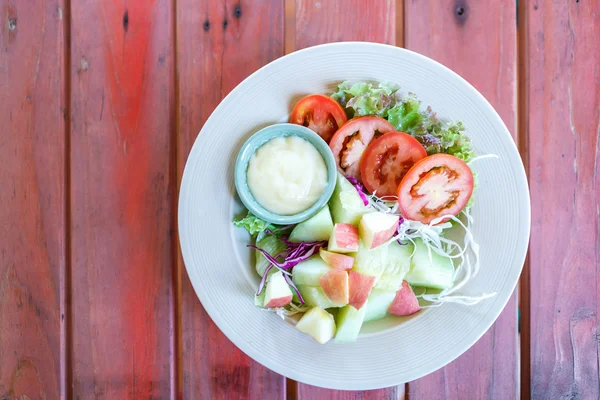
<point x="258" y="140"/>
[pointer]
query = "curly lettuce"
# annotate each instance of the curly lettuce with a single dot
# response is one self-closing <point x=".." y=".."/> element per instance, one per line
<point x="253" y="224"/>
<point x="363" y="98"/>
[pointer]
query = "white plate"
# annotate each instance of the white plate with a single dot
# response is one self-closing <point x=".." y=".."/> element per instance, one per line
<point x="220" y="268"/>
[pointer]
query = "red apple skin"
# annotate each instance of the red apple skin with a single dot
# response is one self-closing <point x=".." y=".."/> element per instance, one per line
<point x="346" y="236"/>
<point x="360" y="288"/>
<point x="382" y="237"/>
<point x="279" y="302"/>
<point x="405" y="302"/>
<point x="337" y="261"/>
<point x="335" y="286"/>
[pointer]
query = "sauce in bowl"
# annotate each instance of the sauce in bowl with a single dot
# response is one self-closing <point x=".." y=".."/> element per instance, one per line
<point x="287" y="175"/>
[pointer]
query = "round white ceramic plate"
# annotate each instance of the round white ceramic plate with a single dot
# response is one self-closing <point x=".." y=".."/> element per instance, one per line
<point x="391" y="351"/>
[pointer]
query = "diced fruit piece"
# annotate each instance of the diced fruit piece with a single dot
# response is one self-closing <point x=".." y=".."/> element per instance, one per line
<point x="278" y="292"/>
<point x="371" y="262"/>
<point x="318" y="227"/>
<point x="377" y="228"/>
<point x="346" y="205"/>
<point x="308" y="272"/>
<point x="405" y="302"/>
<point x="397" y="266"/>
<point x="378" y="303"/>
<point x="429" y="269"/>
<point x="344" y="238"/>
<point x="348" y="322"/>
<point x="271" y="245"/>
<point x="317" y="323"/>
<point x="360" y="287"/>
<point x="315" y="297"/>
<point x="335" y="260"/>
<point x="335" y="285"/>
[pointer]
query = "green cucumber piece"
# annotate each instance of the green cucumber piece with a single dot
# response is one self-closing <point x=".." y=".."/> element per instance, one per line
<point x="429" y="269"/>
<point x="308" y="272"/>
<point x="318" y="227"/>
<point x="397" y="266"/>
<point x="377" y="304"/>
<point x="371" y="262"/>
<point x="271" y="245"/>
<point x="348" y="322"/>
<point x="315" y="297"/>
<point x="346" y="205"/>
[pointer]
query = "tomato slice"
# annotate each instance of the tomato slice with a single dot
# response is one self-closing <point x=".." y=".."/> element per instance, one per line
<point x="351" y="140"/>
<point x="319" y="113"/>
<point x="437" y="185"/>
<point x="387" y="159"/>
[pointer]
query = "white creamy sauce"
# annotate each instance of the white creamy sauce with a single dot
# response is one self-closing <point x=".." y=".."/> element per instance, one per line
<point x="287" y="175"/>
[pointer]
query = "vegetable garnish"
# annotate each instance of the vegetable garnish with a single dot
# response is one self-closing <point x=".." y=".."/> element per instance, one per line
<point x="253" y="224"/>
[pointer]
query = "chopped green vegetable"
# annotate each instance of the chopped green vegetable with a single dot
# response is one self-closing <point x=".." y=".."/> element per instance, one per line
<point x="253" y="224"/>
<point x="363" y="98"/>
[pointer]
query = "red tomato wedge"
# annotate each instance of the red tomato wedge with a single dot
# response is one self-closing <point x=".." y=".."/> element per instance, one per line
<point x="437" y="185"/>
<point x="387" y="159"/>
<point x="319" y="113"/>
<point x="351" y="140"/>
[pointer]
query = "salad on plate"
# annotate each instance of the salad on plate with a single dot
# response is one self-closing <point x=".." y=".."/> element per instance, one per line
<point x="380" y="246"/>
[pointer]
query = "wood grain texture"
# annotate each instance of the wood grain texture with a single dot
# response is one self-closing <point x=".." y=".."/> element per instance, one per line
<point x="121" y="199"/>
<point x="219" y="43"/>
<point x="32" y="198"/>
<point x="319" y="22"/>
<point x="478" y="41"/>
<point x="564" y="128"/>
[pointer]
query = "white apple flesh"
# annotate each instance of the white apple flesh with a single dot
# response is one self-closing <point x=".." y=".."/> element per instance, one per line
<point x="337" y="261"/>
<point x="277" y="292"/>
<point x="318" y="324"/>
<point x="377" y="228"/>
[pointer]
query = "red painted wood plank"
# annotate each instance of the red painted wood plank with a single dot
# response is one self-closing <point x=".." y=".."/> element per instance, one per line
<point x="218" y="45"/>
<point x="564" y="137"/>
<point x="32" y="215"/>
<point x="478" y="41"/>
<point x="328" y="21"/>
<point x="322" y="21"/>
<point x="122" y="95"/>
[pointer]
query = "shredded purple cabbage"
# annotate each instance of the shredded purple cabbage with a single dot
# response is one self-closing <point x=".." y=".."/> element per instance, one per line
<point x="294" y="254"/>
<point x="400" y="222"/>
<point x="359" y="188"/>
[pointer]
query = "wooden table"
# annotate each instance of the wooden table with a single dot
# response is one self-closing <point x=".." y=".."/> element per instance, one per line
<point x="100" y="104"/>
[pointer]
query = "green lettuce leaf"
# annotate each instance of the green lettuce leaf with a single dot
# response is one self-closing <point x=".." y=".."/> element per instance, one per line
<point x="363" y="98"/>
<point x="253" y="224"/>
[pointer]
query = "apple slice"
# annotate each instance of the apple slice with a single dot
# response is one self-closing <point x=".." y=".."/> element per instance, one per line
<point x="377" y="228"/>
<point x="405" y="302"/>
<point x="308" y="272"/>
<point x="317" y="323"/>
<point x="359" y="287"/>
<point x="335" y="285"/>
<point x="336" y="261"/>
<point x="277" y="293"/>
<point x="344" y="239"/>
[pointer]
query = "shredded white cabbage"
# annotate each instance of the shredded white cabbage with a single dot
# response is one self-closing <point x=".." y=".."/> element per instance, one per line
<point x="284" y="312"/>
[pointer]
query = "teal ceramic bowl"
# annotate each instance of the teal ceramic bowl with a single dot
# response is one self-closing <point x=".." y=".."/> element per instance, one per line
<point x="254" y="143"/>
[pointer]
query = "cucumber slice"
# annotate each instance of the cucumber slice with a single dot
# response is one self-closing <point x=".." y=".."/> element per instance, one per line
<point x="378" y="303"/>
<point x="396" y="268"/>
<point x="271" y="245"/>
<point x="348" y="322"/>
<point x="346" y="205"/>
<point x="308" y="272"/>
<point x="429" y="269"/>
<point x="371" y="262"/>
<point x="318" y="227"/>
<point x="315" y="297"/>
